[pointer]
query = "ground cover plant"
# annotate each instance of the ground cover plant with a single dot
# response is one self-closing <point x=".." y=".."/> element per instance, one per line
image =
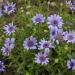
<point x="37" y="37"/>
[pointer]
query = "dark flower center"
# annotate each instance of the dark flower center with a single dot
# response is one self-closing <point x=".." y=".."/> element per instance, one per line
<point x="72" y="65"/>
<point x="30" y="43"/>
<point x="55" y="23"/>
<point x="7" y="50"/>
<point x="42" y="58"/>
<point x="11" y="29"/>
<point x="38" y="20"/>
<point x="70" y="37"/>
<point x="46" y="45"/>
<point x="1" y="66"/>
<point x="53" y="32"/>
<point x="9" y="8"/>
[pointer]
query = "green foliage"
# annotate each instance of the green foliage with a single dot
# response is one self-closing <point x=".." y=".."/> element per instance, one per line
<point x="20" y="61"/>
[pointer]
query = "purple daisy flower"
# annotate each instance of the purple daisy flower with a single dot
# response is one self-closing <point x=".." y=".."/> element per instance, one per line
<point x="41" y="58"/>
<point x="6" y="51"/>
<point x="10" y="8"/>
<point x="55" y="21"/>
<point x="54" y="32"/>
<point x="72" y="7"/>
<point x="56" y="35"/>
<point x="8" y="45"/>
<point x="71" y="64"/>
<point x="38" y="19"/>
<point x="69" y="36"/>
<point x="30" y="43"/>
<point x="43" y="44"/>
<point x="9" y="42"/>
<point x="71" y="4"/>
<point x="2" y="67"/>
<point x="10" y="28"/>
